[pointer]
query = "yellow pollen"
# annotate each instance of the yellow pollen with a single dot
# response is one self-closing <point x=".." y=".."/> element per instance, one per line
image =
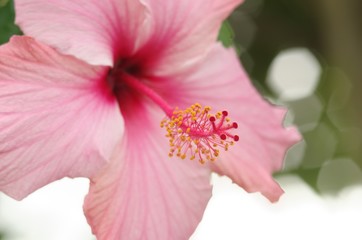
<point x="194" y="133"/>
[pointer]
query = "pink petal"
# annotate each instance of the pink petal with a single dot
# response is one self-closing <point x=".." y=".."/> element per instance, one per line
<point x="221" y="83"/>
<point x="143" y="194"/>
<point x="91" y="30"/>
<point x="165" y="35"/>
<point x="55" y="121"/>
<point x="184" y="31"/>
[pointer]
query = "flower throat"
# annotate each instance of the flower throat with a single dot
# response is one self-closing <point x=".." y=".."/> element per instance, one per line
<point x="193" y="133"/>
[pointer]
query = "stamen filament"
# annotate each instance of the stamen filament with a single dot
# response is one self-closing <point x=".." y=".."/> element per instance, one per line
<point x="137" y="85"/>
<point x="193" y="132"/>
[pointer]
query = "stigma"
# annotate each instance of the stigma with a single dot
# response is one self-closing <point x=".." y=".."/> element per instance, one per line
<point x="195" y="133"/>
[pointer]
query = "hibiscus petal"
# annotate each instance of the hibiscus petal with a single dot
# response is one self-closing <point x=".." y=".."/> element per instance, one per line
<point x="54" y="120"/>
<point x="221" y="83"/>
<point x="183" y="31"/>
<point x="91" y="30"/>
<point x="143" y="194"/>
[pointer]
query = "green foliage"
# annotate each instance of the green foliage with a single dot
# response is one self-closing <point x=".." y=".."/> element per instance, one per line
<point x="226" y="34"/>
<point x="7" y="26"/>
<point x="2" y="236"/>
<point x="331" y="31"/>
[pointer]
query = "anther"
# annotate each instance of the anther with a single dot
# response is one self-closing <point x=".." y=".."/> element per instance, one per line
<point x="194" y="133"/>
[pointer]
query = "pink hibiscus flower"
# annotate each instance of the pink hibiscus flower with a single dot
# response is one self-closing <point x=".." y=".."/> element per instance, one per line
<point x="91" y="106"/>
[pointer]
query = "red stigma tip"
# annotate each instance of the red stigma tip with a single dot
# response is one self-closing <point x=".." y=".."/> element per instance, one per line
<point x="236" y="138"/>
<point x="223" y="137"/>
<point x="225" y="113"/>
<point x="212" y="119"/>
<point x="235" y="125"/>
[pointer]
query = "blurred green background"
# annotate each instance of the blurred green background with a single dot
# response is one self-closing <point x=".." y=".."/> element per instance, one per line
<point x="330" y="116"/>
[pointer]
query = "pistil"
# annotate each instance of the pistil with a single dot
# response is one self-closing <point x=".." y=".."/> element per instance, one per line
<point x="193" y="133"/>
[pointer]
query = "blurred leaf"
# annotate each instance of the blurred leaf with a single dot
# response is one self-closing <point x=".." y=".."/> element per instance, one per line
<point x="2" y="236"/>
<point x="3" y="3"/>
<point x="310" y="176"/>
<point x="226" y="34"/>
<point x="7" y="16"/>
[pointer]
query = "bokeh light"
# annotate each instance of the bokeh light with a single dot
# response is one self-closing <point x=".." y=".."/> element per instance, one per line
<point x="307" y="112"/>
<point x="338" y="173"/>
<point x="294" y="74"/>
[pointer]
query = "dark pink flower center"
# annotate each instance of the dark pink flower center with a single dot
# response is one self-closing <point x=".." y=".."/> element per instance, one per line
<point x="117" y="73"/>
